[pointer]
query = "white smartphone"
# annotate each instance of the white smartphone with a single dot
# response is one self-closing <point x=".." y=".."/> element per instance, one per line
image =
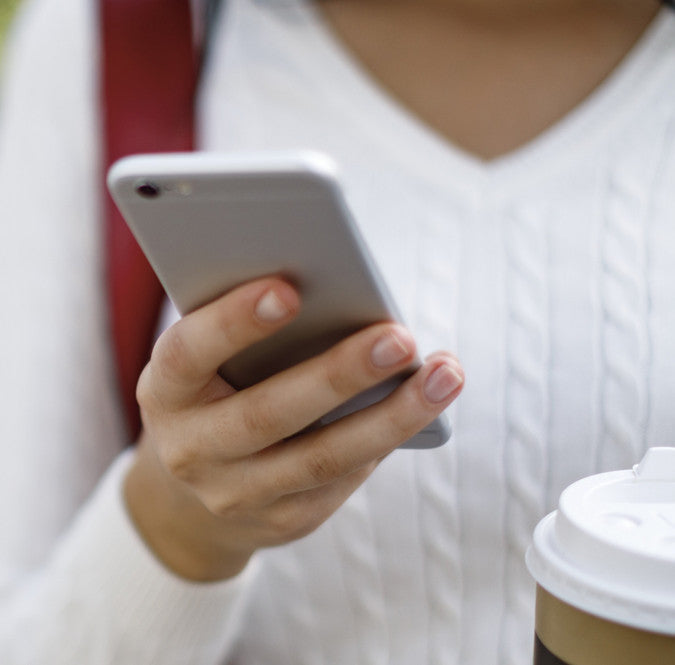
<point x="208" y="222"/>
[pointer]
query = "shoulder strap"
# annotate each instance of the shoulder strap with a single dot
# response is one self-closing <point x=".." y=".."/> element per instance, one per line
<point x="148" y="82"/>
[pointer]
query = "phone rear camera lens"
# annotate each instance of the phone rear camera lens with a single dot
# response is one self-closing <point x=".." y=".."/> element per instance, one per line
<point x="148" y="190"/>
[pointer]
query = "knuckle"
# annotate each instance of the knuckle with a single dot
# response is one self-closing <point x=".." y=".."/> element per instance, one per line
<point x="401" y="422"/>
<point x="149" y="397"/>
<point x="260" y="419"/>
<point x="287" y="523"/>
<point x="172" y="355"/>
<point x="282" y="525"/>
<point x="323" y="466"/>
<point x="401" y="430"/>
<point x="145" y="394"/>
<point x="235" y="495"/>
<point x="226" y="326"/>
<point x="182" y="462"/>
<point x="342" y="382"/>
<point x="226" y="505"/>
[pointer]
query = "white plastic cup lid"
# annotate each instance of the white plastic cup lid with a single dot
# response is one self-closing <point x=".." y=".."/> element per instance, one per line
<point x="609" y="549"/>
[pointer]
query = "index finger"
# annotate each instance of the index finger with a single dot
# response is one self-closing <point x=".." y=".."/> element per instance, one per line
<point x="187" y="355"/>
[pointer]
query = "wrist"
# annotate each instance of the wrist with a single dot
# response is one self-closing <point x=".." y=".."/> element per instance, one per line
<point x="177" y="528"/>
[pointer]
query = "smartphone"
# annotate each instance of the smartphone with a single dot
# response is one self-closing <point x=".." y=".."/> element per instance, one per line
<point x="208" y="222"/>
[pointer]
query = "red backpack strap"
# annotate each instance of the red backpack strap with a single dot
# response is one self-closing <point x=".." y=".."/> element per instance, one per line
<point x="148" y="83"/>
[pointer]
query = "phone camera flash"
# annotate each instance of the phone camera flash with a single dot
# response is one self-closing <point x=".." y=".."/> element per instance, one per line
<point x="183" y="188"/>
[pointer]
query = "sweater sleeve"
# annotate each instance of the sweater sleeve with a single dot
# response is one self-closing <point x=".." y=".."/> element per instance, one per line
<point x="77" y="584"/>
<point x="102" y="597"/>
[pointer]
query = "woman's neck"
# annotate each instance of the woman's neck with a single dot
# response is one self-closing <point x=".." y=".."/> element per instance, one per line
<point x="489" y="81"/>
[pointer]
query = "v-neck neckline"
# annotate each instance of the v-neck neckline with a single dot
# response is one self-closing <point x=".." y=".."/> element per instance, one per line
<point x="625" y="89"/>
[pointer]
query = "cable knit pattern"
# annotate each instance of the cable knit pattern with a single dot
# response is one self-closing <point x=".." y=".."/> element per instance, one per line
<point x="361" y="579"/>
<point x="439" y="250"/>
<point x="526" y="404"/>
<point x="624" y="338"/>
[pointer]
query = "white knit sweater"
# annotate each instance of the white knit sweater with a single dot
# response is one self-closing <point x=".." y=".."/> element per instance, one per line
<point x="550" y="271"/>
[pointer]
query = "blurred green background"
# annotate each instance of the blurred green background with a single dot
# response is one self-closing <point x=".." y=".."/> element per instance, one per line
<point x="7" y="8"/>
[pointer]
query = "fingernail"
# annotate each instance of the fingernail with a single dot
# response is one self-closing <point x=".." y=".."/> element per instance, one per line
<point x="389" y="350"/>
<point x="271" y="308"/>
<point x="441" y="383"/>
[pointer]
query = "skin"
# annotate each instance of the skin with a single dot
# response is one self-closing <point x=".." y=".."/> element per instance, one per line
<point x="496" y="73"/>
<point x="214" y="479"/>
<point x="219" y="474"/>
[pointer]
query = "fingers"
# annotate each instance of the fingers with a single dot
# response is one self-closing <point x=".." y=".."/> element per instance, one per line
<point x="205" y="440"/>
<point x="320" y="457"/>
<point x="296" y="515"/>
<point x="287" y="403"/>
<point x="222" y="453"/>
<point x="187" y="355"/>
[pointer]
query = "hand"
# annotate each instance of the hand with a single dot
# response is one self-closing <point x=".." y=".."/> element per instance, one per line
<point x="220" y="473"/>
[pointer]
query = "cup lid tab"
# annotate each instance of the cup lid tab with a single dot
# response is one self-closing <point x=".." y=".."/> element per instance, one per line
<point x="657" y="464"/>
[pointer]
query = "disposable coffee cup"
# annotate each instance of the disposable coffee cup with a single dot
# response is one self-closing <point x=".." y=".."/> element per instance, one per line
<point x="604" y="564"/>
